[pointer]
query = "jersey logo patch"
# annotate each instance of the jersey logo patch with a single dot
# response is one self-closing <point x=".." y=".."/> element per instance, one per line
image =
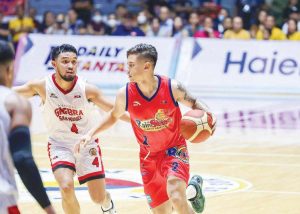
<point x="160" y="121"/>
<point x="136" y="103"/>
<point x="52" y="95"/>
<point x="77" y="96"/>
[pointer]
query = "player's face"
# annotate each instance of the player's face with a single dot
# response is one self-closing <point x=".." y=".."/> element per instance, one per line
<point x="135" y="68"/>
<point x="66" y="66"/>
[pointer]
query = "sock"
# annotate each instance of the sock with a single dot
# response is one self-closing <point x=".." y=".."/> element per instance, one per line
<point x="109" y="207"/>
<point x="191" y="192"/>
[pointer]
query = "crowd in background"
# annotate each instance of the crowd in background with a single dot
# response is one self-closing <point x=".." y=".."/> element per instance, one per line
<point x="250" y="19"/>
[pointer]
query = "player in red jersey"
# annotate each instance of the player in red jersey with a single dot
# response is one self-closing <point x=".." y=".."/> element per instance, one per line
<point x="152" y="102"/>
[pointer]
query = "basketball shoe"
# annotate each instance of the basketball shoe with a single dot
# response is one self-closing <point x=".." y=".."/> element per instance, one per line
<point x="111" y="210"/>
<point x="198" y="202"/>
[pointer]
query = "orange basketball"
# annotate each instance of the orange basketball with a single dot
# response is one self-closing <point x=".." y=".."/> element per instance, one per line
<point x="197" y="125"/>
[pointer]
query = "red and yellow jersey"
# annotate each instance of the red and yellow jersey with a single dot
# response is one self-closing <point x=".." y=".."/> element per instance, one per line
<point x="156" y="120"/>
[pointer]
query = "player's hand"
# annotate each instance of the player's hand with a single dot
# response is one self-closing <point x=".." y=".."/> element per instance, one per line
<point x="83" y="142"/>
<point x="214" y="121"/>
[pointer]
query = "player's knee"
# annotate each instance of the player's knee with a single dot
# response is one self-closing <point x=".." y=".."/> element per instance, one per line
<point x="98" y="197"/>
<point x="175" y="195"/>
<point x="67" y="187"/>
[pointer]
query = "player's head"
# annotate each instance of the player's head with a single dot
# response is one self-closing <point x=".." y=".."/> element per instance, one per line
<point x="7" y="56"/>
<point x="64" y="61"/>
<point x="141" y="60"/>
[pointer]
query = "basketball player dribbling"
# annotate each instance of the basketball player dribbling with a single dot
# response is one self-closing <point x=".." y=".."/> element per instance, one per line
<point x="67" y="115"/>
<point x="15" y="143"/>
<point x="152" y="102"/>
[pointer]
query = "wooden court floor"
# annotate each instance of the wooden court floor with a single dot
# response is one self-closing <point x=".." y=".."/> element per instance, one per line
<point x="246" y="171"/>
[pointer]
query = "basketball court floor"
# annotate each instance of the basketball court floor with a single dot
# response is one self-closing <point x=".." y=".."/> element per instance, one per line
<point x="250" y="166"/>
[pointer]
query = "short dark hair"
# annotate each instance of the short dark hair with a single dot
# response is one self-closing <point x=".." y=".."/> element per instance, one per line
<point x="145" y="51"/>
<point x="62" y="49"/>
<point x="7" y="53"/>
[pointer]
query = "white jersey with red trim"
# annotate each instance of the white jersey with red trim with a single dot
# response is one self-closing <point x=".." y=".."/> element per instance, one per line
<point x="67" y="114"/>
<point x="8" y="187"/>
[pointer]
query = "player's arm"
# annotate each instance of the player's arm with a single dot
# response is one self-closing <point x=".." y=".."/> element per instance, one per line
<point x="30" y="89"/>
<point x="184" y="97"/>
<point x="94" y="95"/>
<point x="20" y="147"/>
<point x="117" y="111"/>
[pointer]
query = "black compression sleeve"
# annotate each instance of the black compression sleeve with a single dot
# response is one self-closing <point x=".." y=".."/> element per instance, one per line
<point x="20" y="148"/>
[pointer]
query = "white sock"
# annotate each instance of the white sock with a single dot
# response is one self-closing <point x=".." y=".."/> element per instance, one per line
<point x="109" y="207"/>
<point x="191" y="192"/>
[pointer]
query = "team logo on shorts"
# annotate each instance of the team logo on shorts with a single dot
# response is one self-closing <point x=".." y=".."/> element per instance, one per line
<point x="93" y="152"/>
<point x="180" y="153"/>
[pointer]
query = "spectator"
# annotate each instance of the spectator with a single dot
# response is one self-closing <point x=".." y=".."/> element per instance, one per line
<point x="48" y="21"/>
<point x="182" y="7"/>
<point x="292" y="7"/>
<point x="246" y="9"/>
<point x="208" y="31"/>
<point x="97" y="26"/>
<point x="73" y="22"/>
<point x="166" y="23"/>
<point x="59" y="27"/>
<point x="4" y="32"/>
<point x="154" y="27"/>
<point x="237" y="31"/>
<point x="193" y="25"/>
<point x="142" y="20"/>
<point x="178" y="30"/>
<point x="32" y="15"/>
<point x="259" y="23"/>
<point x="227" y="25"/>
<point x="223" y="14"/>
<point x="121" y="11"/>
<point x="127" y="27"/>
<point x="112" y="22"/>
<point x="275" y="33"/>
<point x="294" y="15"/>
<point x="82" y="29"/>
<point x="293" y="33"/>
<point x="20" y="25"/>
<point x="83" y="9"/>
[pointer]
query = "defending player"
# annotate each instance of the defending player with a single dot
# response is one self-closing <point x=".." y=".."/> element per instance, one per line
<point x="15" y="143"/>
<point x="67" y="115"/>
<point x="152" y="102"/>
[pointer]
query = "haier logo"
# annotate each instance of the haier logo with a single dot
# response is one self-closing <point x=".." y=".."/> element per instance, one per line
<point x="260" y="64"/>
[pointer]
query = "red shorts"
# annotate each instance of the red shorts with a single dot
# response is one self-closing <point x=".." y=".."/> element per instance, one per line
<point x="156" y="168"/>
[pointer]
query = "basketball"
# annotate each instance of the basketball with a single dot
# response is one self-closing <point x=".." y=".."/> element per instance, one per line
<point x="197" y="126"/>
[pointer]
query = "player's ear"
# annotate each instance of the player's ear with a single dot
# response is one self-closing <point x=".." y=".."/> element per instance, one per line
<point x="147" y="65"/>
<point x="53" y="63"/>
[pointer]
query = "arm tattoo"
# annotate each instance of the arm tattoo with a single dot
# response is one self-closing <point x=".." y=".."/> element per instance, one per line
<point x="189" y="98"/>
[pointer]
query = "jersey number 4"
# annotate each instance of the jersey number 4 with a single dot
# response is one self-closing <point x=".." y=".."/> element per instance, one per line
<point x="74" y="128"/>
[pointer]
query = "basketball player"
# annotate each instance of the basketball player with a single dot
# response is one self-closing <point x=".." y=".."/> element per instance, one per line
<point x="15" y="144"/>
<point x="152" y="102"/>
<point x="67" y="115"/>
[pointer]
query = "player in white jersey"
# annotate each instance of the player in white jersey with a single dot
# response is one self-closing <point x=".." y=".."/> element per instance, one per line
<point x="67" y="114"/>
<point x="15" y="145"/>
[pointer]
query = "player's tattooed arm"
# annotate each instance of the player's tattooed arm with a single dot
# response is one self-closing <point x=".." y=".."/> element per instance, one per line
<point x="182" y="95"/>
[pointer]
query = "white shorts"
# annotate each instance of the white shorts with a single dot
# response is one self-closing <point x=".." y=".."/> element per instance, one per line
<point x="8" y="205"/>
<point x="87" y="165"/>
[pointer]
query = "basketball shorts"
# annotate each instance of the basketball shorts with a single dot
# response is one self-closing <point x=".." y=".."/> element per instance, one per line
<point x="156" y="168"/>
<point x="88" y="164"/>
